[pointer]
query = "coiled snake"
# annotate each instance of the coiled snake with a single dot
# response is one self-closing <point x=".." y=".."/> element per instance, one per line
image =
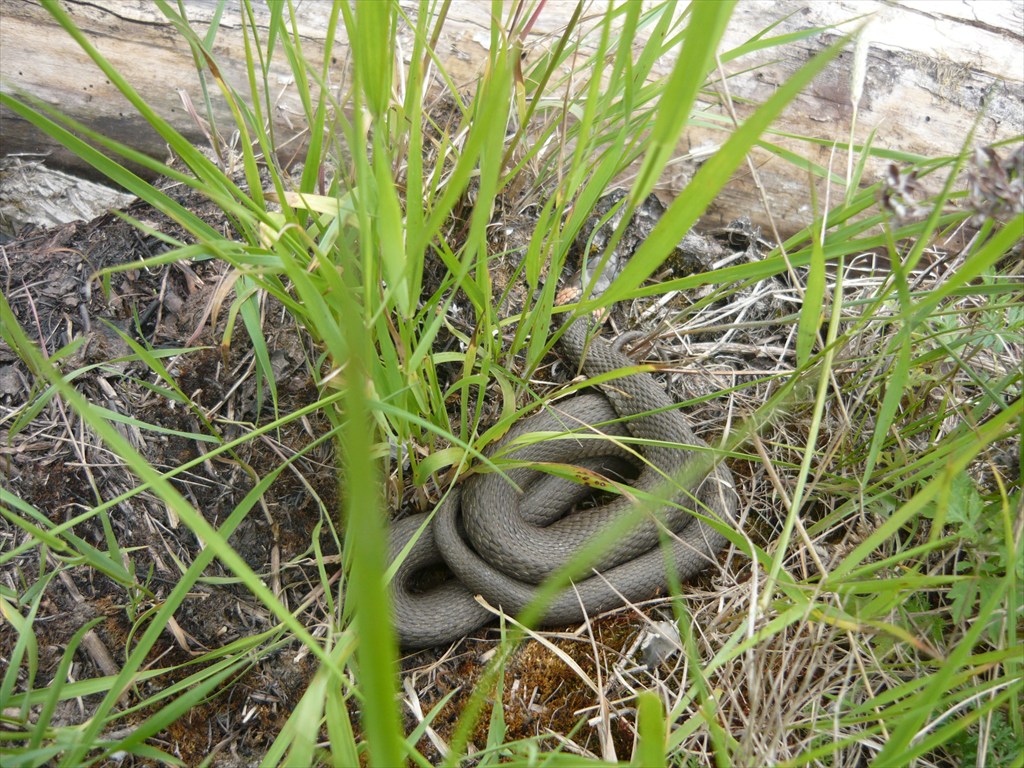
<point x="501" y="535"/>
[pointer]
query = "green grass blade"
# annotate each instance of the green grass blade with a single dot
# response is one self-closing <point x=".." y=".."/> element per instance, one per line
<point x="704" y="31"/>
<point x="709" y="180"/>
<point x="650" y="727"/>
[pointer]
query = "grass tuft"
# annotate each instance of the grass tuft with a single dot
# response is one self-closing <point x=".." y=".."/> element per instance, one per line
<point x="862" y="378"/>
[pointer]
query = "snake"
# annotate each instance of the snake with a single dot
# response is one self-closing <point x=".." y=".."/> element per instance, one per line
<point x="500" y="534"/>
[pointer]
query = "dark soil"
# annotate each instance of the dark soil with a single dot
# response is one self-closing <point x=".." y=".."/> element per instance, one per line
<point x="56" y="465"/>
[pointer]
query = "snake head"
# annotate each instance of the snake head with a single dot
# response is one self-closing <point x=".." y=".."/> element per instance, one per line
<point x="595" y="276"/>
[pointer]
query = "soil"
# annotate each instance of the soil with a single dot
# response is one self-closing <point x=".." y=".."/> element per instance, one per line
<point x="71" y="287"/>
<point x="74" y="293"/>
<point x="56" y="465"/>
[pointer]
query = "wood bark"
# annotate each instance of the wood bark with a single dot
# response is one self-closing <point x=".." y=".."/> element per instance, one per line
<point x="935" y="72"/>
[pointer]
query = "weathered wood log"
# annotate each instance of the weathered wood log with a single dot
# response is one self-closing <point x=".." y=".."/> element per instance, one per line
<point x="932" y="68"/>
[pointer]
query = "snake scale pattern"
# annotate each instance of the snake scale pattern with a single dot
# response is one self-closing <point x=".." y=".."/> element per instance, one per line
<point x="501" y="535"/>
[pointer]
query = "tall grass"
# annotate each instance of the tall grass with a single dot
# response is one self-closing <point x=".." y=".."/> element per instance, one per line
<point x="344" y="246"/>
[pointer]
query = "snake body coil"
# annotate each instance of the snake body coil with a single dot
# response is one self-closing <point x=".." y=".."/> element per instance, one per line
<point x="501" y="535"/>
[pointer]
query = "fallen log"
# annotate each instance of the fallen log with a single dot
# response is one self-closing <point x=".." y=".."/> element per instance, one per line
<point x="934" y="72"/>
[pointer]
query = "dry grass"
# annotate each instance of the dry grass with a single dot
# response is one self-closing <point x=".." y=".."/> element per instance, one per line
<point x="173" y="566"/>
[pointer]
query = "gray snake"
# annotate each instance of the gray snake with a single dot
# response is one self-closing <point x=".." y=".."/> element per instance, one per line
<point x="501" y="535"/>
